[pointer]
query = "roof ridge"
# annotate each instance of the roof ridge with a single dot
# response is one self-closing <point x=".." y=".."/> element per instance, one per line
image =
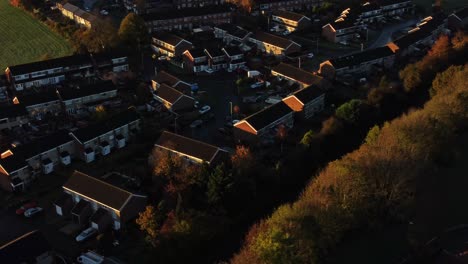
<point x="94" y="178"/>
<point x="191" y="139"/>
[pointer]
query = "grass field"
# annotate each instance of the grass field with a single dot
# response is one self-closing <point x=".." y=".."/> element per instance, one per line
<point x="23" y="39"/>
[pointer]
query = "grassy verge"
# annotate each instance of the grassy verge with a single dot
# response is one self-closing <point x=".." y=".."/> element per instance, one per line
<point x="24" y="39"/>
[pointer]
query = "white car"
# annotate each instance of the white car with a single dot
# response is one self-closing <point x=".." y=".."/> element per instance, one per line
<point x="204" y="109"/>
<point x="209" y="70"/>
<point x="273" y="100"/>
<point x="87" y="233"/>
<point x="196" y="123"/>
<point x="310" y="55"/>
<point x="104" y="12"/>
<point x="162" y="58"/>
<point x="32" y="211"/>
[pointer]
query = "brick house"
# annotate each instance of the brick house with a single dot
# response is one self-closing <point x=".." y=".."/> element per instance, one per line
<point x="231" y="33"/>
<point x="164" y="77"/>
<point x="263" y="123"/>
<point x="40" y="104"/>
<point x="274" y="45"/>
<point x="396" y="7"/>
<point x="195" y="60"/>
<point x="289" y="20"/>
<point x="169" y="44"/>
<point x="307" y="102"/>
<point x="295" y="75"/>
<point x="360" y="62"/>
<point x="99" y="203"/>
<point x="172" y="99"/>
<point x="76" y="14"/>
<point x="235" y="57"/>
<point x="100" y="138"/>
<point x="216" y="59"/>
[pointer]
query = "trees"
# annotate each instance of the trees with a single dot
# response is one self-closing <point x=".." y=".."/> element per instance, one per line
<point x="147" y="222"/>
<point x="308" y="138"/>
<point x="101" y="37"/>
<point x="219" y="182"/>
<point x="350" y="111"/>
<point x="244" y="4"/>
<point x="133" y="31"/>
<point x="411" y="77"/>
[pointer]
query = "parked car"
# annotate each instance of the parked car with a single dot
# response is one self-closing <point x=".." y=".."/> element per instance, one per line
<point x="86" y="234"/>
<point x="32" y="211"/>
<point x="273" y="100"/>
<point x="209" y="70"/>
<point x="24" y="207"/>
<point x="257" y="85"/>
<point x="162" y="58"/>
<point x="204" y="109"/>
<point x="229" y="70"/>
<point x="104" y="12"/>
<point x="196" y="123"/>
<point x="310" y="55"/>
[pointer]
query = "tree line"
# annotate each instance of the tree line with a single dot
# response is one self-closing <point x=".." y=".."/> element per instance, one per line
<point x="377" y="183"/>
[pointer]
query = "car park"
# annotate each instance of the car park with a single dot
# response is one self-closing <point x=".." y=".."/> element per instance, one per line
<point x="26" y="206"/>
<point x="86" y="234"/>
<point x="32" y="211"/>
<point x="204" y="109"/>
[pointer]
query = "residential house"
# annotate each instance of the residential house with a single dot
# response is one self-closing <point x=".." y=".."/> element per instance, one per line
<point x="216" y="59"/>
<point x="20" y="165"/>
<point x="99" y="203"/>
<point x="458" y="20"/>
<point x="169" y="44"/>
<point x="396" y="7"/>
<point x="46" y="72"/>
<point x="187" y="18"/>
<point x="369" y="13"/>
<point x="290" y="5"/>
<point x="195" y="3"/>
<point x="343" y="28"/>
<point x="164" y="77"/>
<point x="54" y="71"/>
<point x="85" y="97"/>
<point x="172" y="99"/>
<point x="76" y="14"/>
<point x="100" y="138"/>
<point x="13" y="116"/>
<point x="31" y="247"/>
<point x="231" y="33"/>
<point x="295" y="75"/>
<point x="360" y="62"/>
<point x="307" y="101"/>
<point x="235" y="57"/>
<point x="274" y="45"/>
<point x="263" y="124"/>
<point x="191" y="150"/>
<point x="420" y="37"/>
<point x="195" y="60"/>
<point x="289" y="20"/>
<point x="40" y="104"/>
<point x="3" y="88"/>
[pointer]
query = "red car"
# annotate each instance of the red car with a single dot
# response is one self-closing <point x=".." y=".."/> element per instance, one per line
<point x="26" y="206"/>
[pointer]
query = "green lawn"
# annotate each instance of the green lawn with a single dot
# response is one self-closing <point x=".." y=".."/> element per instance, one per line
<point x="24" y="39"/>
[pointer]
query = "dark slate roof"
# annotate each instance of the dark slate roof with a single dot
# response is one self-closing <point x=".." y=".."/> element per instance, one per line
<point x="187" y="146"/>
<point x="423" y="32"/>
<point x="288" y="15"/>
<point x="106" y="57"/>
<point x="214" y="52"/>
<point x="272" y="39"/>
<point x="360" y="57"/>
<point x="167" y="78"/>
<point x="25" y="248"/>
<point x="462" y="13"/>
<point x="297" y="74"/>
<point x="42" y="97"/>
<point x="232" y="51"/>
<point x="368" y="7"/>
<point x="50" y="64"/>
<point x="100" y="213"/>
<point x="12" y="111"/>
<point x="68" y="93"/>
<point x="98" y="190"/>
<point x="43" y="144"/>
<point x="186" y="12"/>
<point x="13" y="163"/>
<point x="168" y="93"/>
<point x="197" y="53"/>
<point x="95" y="130"/>
<point x="308" y="93"/>
<point x="392" y="2"/>
<point x="168" y="38"/>
<point x="264" y="117"/>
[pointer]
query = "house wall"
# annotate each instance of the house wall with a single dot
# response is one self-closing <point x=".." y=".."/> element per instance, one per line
<point x="9" y="123"/>
<point x="188" y="22"/>
<point x="313" y="107"/>
<point x="38" y="111"/>
<point x="286" y="120"/>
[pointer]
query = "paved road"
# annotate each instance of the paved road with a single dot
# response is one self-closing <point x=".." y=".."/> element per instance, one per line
<point x="13" y="226"/>
<point x="387" y="31"/>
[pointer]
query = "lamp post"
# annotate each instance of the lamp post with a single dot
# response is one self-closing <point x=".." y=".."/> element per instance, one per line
<point x="175" y="123"/>
<point x="230" y="109"/>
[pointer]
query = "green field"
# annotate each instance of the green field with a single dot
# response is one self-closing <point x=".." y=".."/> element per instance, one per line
<point x="24" y="39"/>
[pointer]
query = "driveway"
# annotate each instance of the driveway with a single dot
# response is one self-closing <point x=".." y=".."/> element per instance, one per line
<point x="387" y="31"/>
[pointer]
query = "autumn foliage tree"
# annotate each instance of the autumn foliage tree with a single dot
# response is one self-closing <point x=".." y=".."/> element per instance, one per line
<point x="147" y="222"/>
<point x="133" y="31"/>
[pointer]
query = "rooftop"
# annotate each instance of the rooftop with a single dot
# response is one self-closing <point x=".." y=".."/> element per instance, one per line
<point x="273" y="40"/>
<point x="265" y="117"/>
<point x="68" y="93"/>
<point x="232" y="51"/>
<point x="168" y="38"/>
<point x="308" y="93"/>
<point x="50" y="64"/>
<point x="9" y="111"/>
<point x="297" y="74"/>
<point x="186" y="12"/>
<point x="167" y="93"/>
<point x="44" y="96"/>
<point x="97" y="190"/>
<point x="289" y="15"/>
<point x="187" y="146"/>
<point x="360" y="57"/>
